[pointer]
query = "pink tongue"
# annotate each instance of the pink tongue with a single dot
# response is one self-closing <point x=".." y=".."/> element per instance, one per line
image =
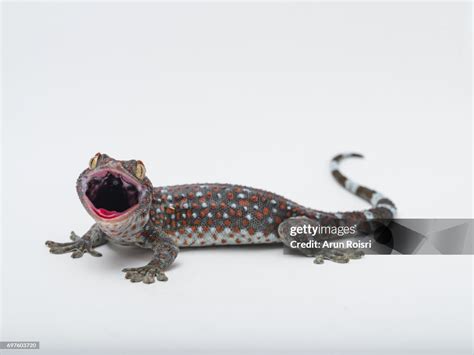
<point x="108" y="214"/>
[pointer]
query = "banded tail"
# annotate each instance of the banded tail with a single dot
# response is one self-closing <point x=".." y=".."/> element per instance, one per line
<point x="383" y="208"/>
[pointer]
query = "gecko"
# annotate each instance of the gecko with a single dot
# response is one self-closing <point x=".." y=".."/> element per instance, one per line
<point x="128" y="210"/>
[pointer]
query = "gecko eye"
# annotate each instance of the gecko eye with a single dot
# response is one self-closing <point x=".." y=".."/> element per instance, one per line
<point x="93" y="161"/>
<point x="140" y="170"/>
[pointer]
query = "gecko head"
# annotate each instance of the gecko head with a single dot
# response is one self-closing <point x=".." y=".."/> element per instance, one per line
<point x="114" y="190"/>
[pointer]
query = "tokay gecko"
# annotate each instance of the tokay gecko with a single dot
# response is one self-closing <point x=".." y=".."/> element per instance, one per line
<point x="128" y="210"/>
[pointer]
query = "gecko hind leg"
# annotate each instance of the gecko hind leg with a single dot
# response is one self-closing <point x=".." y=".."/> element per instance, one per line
<point x="337" y="255"/>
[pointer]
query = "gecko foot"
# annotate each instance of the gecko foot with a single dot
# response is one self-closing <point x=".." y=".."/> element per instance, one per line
<point x="341" y="256"/>
<point x="145" y="274"/>
<point x="78" y="247"/>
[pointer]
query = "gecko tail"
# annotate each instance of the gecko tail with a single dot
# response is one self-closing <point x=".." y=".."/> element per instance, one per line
<point x="382" y="206"/>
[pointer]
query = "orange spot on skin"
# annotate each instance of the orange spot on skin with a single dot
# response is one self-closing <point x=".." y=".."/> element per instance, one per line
<point x="223" y="205"/>
<point x="230" y="195"/>
<point x="236" y="229"/>
<point x="259" y="215"/>
<point x="245" y="222"/>
<point x="194" y="228"/>
<point x="205" y="229"/>
<point x="213" y="205"/>
<point x="204" y="212"/>
<point x="209" y="194"/>
<point x="238" y="189"/>
<point x="243" y="202"/>
<point x="227" y="223"/>
<point x="190" y="235"/>
<point x="191" y="195"/>
<point x="282" y="205"/>
<point x="266" y="211"/>
<point x="251" y="231"/>
<point x="209" y="222"/>
<point x="254" y="198"/>
<point x="202" y="199"/>
<point x="219" y="215"/>
<point x="181" y="230"/>
<point x="232" y="212"/>
<point x="219" y="229"/>
<point x="197" y="222"/>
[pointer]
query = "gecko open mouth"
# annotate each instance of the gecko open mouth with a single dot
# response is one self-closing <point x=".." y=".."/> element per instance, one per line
<point x="111" y="194"/>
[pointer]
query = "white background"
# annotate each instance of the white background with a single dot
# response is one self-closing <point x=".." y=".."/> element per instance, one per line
<point x="256" y="94"/>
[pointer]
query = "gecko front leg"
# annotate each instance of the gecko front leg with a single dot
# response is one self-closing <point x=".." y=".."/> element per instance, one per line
<point x="165" y="252"/>
<point x="80" y="245"/>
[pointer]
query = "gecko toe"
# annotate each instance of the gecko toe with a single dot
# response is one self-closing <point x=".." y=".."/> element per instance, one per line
<point x="51" y="244"/>
<point x="149" y="278"/>
<point x="74" y="237"/>
<point x="357" y="254"/>
<point x="77" y="254"/>
<point x="341" y="259"/>
<point x="319" y="259"/>
<point x="136" y="277"/>
<point x="161" y="277"/>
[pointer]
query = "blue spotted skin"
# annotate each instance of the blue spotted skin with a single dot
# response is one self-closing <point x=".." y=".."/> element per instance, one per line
<point x="221" y="214"/>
